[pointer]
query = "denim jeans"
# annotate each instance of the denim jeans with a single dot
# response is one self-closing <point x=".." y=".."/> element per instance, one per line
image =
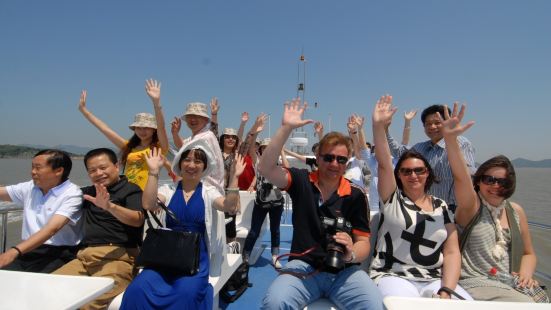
<point x="258" y="216"/>
<point x="351" y="288"/>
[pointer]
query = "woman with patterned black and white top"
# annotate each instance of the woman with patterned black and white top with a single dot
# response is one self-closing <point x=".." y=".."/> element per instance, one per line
<point x="417" y="250"/>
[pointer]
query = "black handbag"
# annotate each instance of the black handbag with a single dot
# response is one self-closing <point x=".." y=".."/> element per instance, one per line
<point x="169" y="251"/>
<point x="267" y="195"/>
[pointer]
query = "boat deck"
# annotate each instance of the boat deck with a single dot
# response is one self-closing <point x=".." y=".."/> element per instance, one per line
<point x="262" y="273"/>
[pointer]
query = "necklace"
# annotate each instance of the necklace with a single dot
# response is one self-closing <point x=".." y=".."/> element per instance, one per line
<point x="188" y="195"/>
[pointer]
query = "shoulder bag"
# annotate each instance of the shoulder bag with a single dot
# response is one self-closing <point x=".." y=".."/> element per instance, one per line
<point x="169" y="251"/>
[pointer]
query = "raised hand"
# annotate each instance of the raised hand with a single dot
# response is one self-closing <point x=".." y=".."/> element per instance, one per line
<point x="451" y="124"/>
<point x="238" y="165"/>
<point x="82" y="102"/>
<point x="260" y="122"/>
<point x="351" y="125"/>
<point x="244" y="117"/>
<point x="175" y="125"/>
<point x="154" y="160"/>
<point x="293" y="112"/>
<point x="383" y="112"/>
<point x="408" y="116"/>
<point x="153" y="90"/>
<point x="102" y="197"/>
<point x="359" y="120"/>
<point x="318" y="129"/>
<point x="214" y="107"/>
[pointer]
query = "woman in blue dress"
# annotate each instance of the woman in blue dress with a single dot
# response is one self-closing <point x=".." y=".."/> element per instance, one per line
<point x="197" y="206"/>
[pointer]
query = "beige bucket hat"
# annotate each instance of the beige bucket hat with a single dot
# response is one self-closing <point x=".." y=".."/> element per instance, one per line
<point x="265" y="141"/>
<point x="229" y="132"/>
<point x="144" y="120"/>
<point x="197" y="108"/>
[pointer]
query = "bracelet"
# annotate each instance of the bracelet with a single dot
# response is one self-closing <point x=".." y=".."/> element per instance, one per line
<point x="443" y="289"/>
<point x="214" y="114"/>
<point x="19" y="253"/>
<point x="232" y="189"/>
<point x="353" y="132"/>
<point x="407" y="127"/>
<point x="153" y="174"/>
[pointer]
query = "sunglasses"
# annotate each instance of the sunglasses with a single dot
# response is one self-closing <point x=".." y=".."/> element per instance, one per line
<point x="408" y="171"/>
<point x="230" y="137"/>
<point x="491" y="180"/>
<point x="329" y="158"/>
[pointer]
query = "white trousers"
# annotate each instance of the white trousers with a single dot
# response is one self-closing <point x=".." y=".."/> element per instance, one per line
<point x="395" y="286"/>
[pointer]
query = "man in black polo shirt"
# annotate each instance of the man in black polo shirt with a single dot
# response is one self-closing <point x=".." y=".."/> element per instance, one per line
<point x="324" y="193"/>
<point x="113" y="226"/>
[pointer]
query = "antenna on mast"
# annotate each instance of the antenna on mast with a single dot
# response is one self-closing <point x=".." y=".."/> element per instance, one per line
<point x="299" y="137"/>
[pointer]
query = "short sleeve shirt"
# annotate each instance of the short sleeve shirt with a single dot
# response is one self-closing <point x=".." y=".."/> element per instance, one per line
<point x="64" y="199"/>
<point x="102" y="227"/>
<point x="410" y="240"/>
<point x="349" y="202"/>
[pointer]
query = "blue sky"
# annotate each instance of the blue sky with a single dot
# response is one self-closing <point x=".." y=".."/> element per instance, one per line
<point x="494" y="55"/>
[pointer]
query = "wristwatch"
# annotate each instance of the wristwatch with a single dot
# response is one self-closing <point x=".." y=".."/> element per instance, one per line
<point x="352" y="258"/>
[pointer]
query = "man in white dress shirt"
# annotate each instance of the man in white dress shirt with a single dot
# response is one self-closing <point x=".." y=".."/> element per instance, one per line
<point x="51" y="211"/>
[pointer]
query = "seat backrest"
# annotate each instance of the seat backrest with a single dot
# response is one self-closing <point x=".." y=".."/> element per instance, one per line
<point x="374" y="228"/>
<point x="244" y="217"/>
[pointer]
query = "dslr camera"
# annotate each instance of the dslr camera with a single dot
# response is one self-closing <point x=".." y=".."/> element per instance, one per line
<point x="334" y="259"/>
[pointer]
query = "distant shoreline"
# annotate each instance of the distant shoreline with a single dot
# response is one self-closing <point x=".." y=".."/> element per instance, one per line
<point x="77" y="152"/>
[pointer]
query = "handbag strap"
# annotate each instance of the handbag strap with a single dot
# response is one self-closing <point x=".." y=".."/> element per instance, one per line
<point x="450" y="292"/>
<point x="149" y="214"/>
<point x="517" y="245"/>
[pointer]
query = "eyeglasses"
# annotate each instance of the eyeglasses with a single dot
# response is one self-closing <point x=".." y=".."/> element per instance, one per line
<point x="491" y="180"/>
<point x="329" y="158"/>
<point x="230" y="137"/>
<point x="408" y="171"/>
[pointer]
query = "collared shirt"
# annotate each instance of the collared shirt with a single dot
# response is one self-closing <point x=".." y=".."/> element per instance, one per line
<point x="358" y="172"/>
<point x="348" y="201"/>
<point x="438" y="159"/>
<point x="101" y="227"/>
<point x="64" y="199"/>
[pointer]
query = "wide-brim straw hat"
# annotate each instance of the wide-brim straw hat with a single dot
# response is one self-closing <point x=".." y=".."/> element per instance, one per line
<point x="192" y="145"/>
<point x="197" y="108"/>
<point x="144" y="120"/>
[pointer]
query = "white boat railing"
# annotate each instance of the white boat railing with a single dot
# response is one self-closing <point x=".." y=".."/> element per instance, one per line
<point x="5" y="210"/>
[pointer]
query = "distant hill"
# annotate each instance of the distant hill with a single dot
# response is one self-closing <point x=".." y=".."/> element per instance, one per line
<point x="526" y="163"/>
<point x="20" y="151"/>
<point x="14" y="151"/>
<point x="73" y="149"/>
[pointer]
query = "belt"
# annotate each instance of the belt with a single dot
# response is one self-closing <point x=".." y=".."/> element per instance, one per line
<point x="122" y="245"/>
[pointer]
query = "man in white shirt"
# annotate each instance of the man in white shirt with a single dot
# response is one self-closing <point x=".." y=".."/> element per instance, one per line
<point x="51" y="211"/>
<point x="197" y="120"/>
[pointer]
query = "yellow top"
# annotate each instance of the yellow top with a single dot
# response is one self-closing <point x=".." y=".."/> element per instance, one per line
<point x="136" y="169"/>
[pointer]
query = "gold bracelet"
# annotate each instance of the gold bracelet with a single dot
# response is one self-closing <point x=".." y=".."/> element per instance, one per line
<point x="153" y="174"/>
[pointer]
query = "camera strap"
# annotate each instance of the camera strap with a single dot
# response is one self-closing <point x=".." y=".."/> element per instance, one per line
<point x="299" y="275"/>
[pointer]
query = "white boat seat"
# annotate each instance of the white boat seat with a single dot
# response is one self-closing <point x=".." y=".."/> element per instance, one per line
<point x="243" y="225"/>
